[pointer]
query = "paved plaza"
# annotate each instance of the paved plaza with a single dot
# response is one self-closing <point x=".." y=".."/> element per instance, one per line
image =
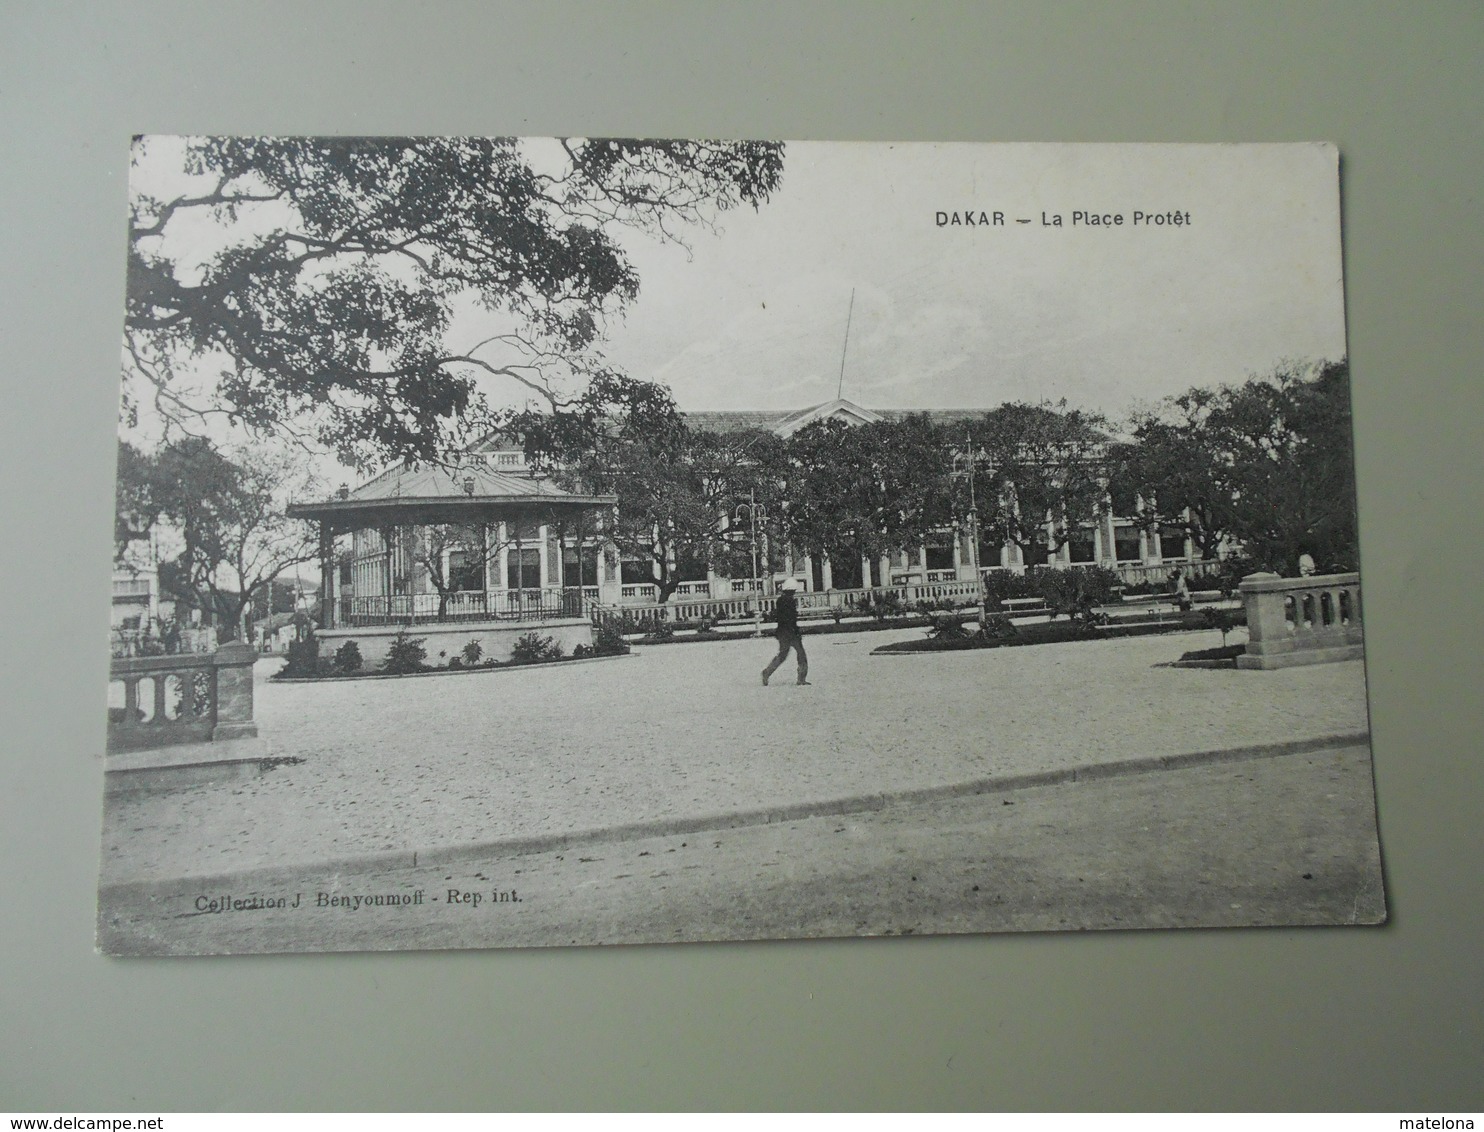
<point x="678" y="732"/>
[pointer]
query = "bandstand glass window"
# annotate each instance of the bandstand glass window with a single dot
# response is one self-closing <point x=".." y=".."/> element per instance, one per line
<point x="523" y="569"/>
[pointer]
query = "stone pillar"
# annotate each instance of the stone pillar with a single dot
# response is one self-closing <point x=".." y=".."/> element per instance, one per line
<point x="886" y="569"/>
<point x="498" y="561"/>
<point x="826" y="575"/>
<point x="1267" y="620"/>
<point x="610" y="576"/>
<point x="233" y="663"/>
<point x="958" y="555"/>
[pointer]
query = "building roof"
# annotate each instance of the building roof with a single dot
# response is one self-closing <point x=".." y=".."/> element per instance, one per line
<point x="786" y="423"/>
<point x="470" y="493"/>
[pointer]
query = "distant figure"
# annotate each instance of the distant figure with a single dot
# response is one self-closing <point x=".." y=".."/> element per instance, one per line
<point x="788" y="633"/>
<point x="1306" y="565"/>
<point x="1182" y="590"/>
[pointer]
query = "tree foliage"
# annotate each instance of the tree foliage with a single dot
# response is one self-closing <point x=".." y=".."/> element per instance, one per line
<point x="1267" y="463"/>
<point x="1289" y="435"/>
<point x="1179" y="461"/>
<point x="226" y="517"/>
<point x="322" y="276"/>
<point x="1045" y="473"/>
<point x="863" y="491"/>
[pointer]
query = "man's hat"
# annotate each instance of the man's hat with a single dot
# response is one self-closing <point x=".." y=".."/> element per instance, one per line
<point x="788" y="585"/>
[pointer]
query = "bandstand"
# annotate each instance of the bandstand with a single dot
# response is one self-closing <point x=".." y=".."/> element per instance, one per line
<point x="528" y="556"/>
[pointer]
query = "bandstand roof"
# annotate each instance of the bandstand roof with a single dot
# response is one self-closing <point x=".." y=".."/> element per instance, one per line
<point x="472" y="493"/>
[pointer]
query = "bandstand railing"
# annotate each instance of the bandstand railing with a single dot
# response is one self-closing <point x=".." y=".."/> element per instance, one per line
<point x="499" y="605"/>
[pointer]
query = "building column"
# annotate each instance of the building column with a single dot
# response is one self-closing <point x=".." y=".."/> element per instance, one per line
<point x="886" y="569"/>
<point x="543" y="564"/>
<point x="386" y="568"/>
<point x="826" y="574"/>
<point x="610" y="574"/>
<point x="326" y="575"/>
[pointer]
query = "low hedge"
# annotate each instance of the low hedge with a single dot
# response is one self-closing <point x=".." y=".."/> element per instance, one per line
<point x="1047" y="633"/>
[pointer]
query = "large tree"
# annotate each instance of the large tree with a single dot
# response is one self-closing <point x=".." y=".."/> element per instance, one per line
<point x="675" y="486"/>
<point x="226" y="514"/>
<point x="1044" y="473"/>
<point x="315" y="283"/>
<point x="1289" y="438"/>
<point x="865" y="490"/>
<point x="1179" y="461"/>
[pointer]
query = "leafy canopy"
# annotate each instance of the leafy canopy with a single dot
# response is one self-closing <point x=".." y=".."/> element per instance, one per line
<point x="323" y="277"/>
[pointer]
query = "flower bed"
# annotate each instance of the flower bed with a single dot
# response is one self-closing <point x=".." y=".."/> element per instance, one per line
<point x="407" y="656"/>
<point x="1002" y="634"/>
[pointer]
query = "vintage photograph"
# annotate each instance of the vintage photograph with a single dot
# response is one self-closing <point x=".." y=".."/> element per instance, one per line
<point x="548" y="542"/>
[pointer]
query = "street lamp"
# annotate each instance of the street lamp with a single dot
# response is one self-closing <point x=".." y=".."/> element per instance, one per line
<point x="963" y="465"/>
<point x="754" y="511"/>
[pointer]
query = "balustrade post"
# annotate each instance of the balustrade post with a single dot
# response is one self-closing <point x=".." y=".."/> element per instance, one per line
<point x="1266" y="616"/>
<point x="234" y="692"/>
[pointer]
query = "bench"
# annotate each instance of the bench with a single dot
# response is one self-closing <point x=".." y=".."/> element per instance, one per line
<point x="1025" y="606"/>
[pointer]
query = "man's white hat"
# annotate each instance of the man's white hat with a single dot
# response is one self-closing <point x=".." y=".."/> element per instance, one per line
<point x="788" y="585"/>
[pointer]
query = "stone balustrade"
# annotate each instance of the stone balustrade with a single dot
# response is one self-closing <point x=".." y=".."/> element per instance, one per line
<point x="743" y="605"/>
<point x="186" y="698"/>
<point x="1292" y="621"/>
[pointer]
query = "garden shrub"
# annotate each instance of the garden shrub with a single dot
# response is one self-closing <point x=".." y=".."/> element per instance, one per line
<point x="347" y="657"/>
<point x="1220" y="620"/>
<point x="946" y="626"/>
<point x="303" y="658"/>
<point x="531" y="647"/>
<point x="660" y="631"/>
<point x="1074" y="590"/>
<point x="472" y="652"/>
<point x="998" y="627"/>
<point x="405" y="654"/>
<point x="882" y="604"/>
<point x="608" y="640"/>
<point x="1001" y="584"/>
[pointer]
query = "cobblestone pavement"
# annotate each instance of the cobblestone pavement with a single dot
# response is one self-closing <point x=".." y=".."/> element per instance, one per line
<point x="686" y="730"/>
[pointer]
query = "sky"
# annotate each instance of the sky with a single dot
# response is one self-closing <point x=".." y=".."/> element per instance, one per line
<point x="952" y="316"/>
<point x="944" y="314"/>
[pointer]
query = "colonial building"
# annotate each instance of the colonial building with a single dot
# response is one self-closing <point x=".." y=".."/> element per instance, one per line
<point x="491" y="540"/>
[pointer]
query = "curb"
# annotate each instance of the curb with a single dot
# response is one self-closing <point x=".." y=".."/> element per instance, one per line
<point x="393" y="859"/>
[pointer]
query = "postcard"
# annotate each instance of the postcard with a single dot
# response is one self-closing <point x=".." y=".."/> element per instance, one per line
<point x="547" y="542"/>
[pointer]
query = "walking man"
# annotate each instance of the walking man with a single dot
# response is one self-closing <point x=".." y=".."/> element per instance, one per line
<point x="788" y="633"/>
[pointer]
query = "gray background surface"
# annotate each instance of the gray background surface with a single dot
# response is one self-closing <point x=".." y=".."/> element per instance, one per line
<point x="1377" y="1018"/>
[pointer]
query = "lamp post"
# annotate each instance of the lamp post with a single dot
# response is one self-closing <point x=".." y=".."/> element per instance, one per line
<point x="754" y="510"/>
<point x="963" y="465"/>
